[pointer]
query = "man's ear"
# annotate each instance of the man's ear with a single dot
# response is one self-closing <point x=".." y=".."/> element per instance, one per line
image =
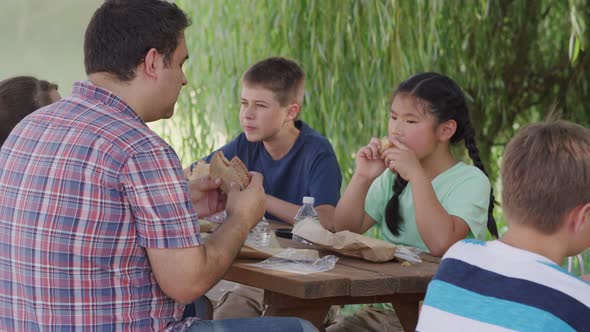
<point x="580" y="217"/>
<point x="151" y="62"/>
<point x="293" y="111"/>
<point x="446" y="130"/>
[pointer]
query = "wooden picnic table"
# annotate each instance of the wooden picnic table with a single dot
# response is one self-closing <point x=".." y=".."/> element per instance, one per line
<point x="352" y="281"/>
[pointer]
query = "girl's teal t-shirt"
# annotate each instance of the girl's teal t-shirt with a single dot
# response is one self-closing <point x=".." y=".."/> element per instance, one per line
<point x="463" y="191"/>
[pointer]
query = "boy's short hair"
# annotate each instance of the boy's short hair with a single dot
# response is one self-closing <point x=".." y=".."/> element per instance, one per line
<point x="545" y="174"/>
<point x="121" y="32"/>
<point x="282" y="76"/>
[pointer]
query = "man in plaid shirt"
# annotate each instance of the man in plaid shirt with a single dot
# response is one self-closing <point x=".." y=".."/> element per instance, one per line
<point x="97" y="228"/>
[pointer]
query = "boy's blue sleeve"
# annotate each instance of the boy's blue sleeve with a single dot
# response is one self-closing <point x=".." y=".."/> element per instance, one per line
<point x="229" y="151"/>
<point x="325" y="180"/>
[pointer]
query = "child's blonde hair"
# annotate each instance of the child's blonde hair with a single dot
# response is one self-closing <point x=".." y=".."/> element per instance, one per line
<point x="546" y="173"/>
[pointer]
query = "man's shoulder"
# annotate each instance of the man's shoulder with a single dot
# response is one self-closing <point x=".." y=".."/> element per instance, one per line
<point x="120" y="129"/>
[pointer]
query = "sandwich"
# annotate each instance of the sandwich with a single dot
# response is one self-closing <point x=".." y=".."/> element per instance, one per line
<point x="385" y="143"/>
<point x="201" y="169"/>
<point x="228" y="171"/>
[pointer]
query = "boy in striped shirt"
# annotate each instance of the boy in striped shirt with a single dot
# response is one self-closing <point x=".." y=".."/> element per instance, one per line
<point x="516" y="283"/>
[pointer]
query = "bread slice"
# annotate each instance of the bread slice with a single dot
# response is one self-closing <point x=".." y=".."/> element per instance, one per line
<point x="241" y="170"/>
<point x="200" y="170"/>
<point x="385" y="143"/>
<point x="234" y="171"/>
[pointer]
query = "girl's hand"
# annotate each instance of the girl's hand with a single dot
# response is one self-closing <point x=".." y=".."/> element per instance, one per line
<point x="403" y="160"/>
<point x="368" y="161"/>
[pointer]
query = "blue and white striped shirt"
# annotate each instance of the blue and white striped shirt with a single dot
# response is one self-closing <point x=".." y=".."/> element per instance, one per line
<point x="491" y="286"/>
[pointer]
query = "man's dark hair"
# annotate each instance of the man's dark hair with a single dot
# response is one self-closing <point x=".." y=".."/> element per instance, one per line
<point x="121" y="32"/>
<point x="282" y="76"/>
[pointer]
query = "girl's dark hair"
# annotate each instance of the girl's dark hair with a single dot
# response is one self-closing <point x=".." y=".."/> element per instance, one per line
<point x="446" y="102"/>
<point x="121" y="32"/>
<point x="19" y="97"/>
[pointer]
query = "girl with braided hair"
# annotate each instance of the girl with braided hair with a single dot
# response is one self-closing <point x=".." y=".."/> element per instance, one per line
<point x="415" y="190"/>
<point x="412" y="187"/>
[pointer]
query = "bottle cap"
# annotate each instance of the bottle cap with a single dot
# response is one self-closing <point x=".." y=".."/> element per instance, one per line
<point x="308" y="200"/>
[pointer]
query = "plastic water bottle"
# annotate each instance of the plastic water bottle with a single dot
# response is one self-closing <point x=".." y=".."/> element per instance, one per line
<point x="260" y="234"/>
<point x="305" y="211"/>
<point x="264" y="232"/>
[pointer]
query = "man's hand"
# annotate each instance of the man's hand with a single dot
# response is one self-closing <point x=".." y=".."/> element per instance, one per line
<point x="187" y="273"/>
<point x="247" y="205"/>
<point x="206" y="197"/>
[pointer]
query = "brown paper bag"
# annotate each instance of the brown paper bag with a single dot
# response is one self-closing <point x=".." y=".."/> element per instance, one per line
<point x="345" y="242"/>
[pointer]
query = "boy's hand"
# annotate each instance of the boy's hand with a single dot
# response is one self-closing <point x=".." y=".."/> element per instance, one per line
<point x="401" y="159"/>
<point x="249" y="204"/>
<point x="368" y="160"/>
<point x="206" y="197"/>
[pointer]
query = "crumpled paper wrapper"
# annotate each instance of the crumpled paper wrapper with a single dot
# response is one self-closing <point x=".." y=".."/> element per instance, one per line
<point x="251" y="250"/>
<point x="293" y="261"/>
<point x="345" y="243"/>
<point x="207" y="226"/>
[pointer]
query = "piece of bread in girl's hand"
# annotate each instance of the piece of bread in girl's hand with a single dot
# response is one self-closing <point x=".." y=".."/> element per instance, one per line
<point x="384" y="144"/>
<point x="229" y="171"/>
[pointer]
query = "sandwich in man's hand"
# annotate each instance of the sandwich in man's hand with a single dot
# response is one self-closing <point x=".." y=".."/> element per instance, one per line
<point x="228" y="171"/>
<point x="200" y="170"/>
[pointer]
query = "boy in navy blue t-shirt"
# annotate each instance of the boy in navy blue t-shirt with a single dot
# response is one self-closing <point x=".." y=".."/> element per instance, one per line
<point x="294" y="159"/>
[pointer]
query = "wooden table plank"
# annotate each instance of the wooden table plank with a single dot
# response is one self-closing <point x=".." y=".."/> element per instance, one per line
<point x="389" y="277"/>
<point x="350" y="277"/>
<point x="341" y="281"/>
<point x="408" y="279"/>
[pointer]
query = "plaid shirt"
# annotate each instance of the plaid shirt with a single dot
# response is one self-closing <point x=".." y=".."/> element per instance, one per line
<point x="85" y="187"/>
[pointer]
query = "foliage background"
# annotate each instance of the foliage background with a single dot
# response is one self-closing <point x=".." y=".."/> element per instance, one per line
<point x="518" y="61"/>
<point x="44" y="39"/>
